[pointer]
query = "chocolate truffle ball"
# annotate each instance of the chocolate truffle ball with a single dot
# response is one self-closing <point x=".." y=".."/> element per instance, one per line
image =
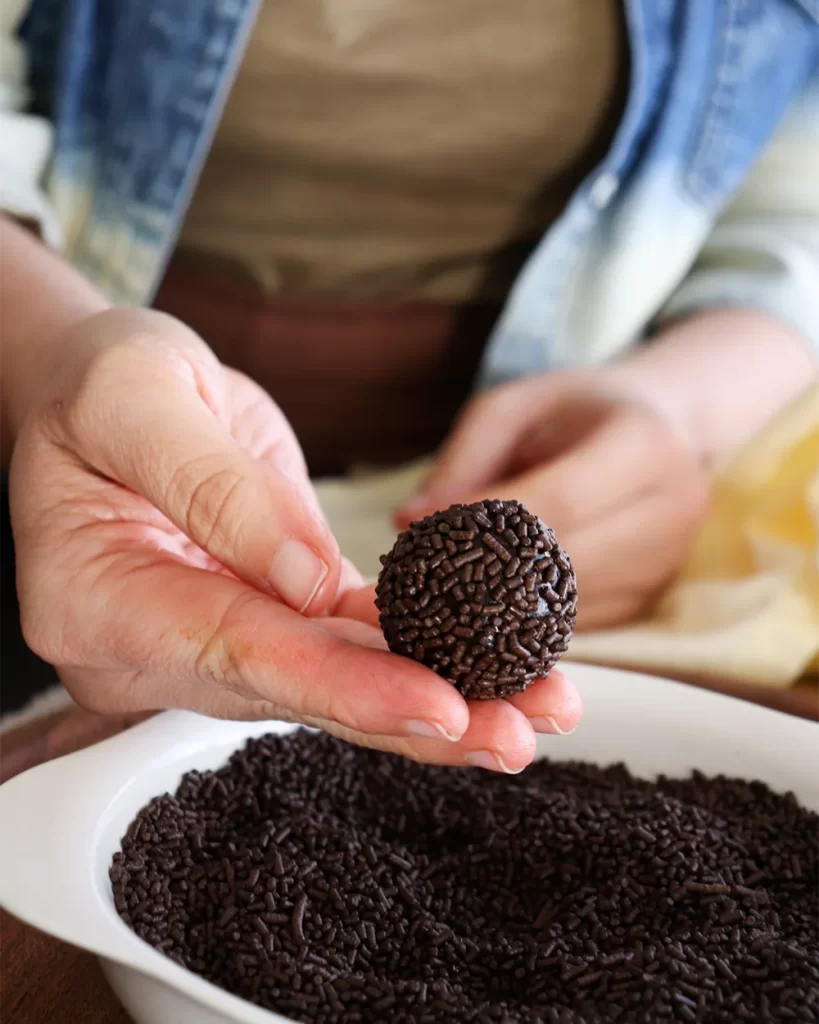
<point x="482" y="594"/>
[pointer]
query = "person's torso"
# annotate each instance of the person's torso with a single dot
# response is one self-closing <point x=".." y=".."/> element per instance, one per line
<point x="135" y="89"/>
<point x="406" y="150"/>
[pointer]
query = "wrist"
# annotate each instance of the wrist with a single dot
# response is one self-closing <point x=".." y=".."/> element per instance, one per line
<point x="65" y="357"/>
<point x="718" y="377"/>
<point x="76" y="364"/>
<point x="41" y="299"/>
<point x="42" y="362"/>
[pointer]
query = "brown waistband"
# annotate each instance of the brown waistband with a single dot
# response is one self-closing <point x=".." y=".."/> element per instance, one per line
<point x="373" y="383"/>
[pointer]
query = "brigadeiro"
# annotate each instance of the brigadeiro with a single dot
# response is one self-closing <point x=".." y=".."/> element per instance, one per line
<point x="482" y="594"/>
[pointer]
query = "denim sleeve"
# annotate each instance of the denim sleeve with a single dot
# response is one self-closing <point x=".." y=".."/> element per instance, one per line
<point x="26" y="139"/>
<point x="763" y="252"/>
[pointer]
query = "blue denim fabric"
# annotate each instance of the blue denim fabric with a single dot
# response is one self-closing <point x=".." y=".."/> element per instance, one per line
<point x="135" y="89"/>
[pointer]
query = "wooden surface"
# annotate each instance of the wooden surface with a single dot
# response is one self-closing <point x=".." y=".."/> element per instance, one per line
<point x="45" y="981"/>
<point x="42" y="980"/>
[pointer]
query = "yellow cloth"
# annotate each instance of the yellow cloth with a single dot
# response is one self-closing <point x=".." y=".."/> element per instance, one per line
<point x="746" y="606"/>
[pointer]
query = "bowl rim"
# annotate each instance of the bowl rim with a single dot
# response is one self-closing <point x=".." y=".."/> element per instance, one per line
<point x="54" y="907"/>
<point x="57" y="891"/>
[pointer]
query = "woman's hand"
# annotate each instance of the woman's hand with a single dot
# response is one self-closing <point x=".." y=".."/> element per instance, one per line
<point x="171" y="553"/>
<point x="622" y="490"/>
<point x="617" y="459"/>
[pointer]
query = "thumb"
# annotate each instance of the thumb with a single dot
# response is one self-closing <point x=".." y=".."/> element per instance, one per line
<point x="480" y="450"/>
<point x="146" y="425"/>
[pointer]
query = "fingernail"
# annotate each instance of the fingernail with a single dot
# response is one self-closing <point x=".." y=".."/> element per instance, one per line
<point x="297" y="573"/>
<point x="491" y="762"/>
<point x="430" y="730"/>
<point x="548" y="725"/>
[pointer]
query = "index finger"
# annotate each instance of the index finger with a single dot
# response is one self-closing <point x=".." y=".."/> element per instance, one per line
<point x="142" y="420"/>
<point x="172" y="621"/>
<point x="552" y="705"/>
<point x="626" y="455"/>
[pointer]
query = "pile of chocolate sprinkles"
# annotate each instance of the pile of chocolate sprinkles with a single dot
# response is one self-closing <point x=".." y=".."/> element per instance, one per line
<point x="338" y="885"/>
<point x="482" y="594"/>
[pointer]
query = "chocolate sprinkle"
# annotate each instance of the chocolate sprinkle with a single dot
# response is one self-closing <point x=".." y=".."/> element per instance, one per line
<point x="482" y="594"/>
<point x="337" y="885"/>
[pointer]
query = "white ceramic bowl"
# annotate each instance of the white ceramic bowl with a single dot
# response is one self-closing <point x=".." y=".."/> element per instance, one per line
<point x="62" y="821"/>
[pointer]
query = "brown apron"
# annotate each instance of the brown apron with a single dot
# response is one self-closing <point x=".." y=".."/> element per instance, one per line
<point x="380" y="174"/>
<point x="360" y="382"/>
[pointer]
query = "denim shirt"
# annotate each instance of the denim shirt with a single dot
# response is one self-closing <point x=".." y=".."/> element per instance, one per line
<point x="709" y="195"/>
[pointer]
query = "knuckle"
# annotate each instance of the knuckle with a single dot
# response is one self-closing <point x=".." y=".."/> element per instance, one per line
<point x="224" y="657"/>
<point x="211" y="501"/>
<point x="217" y="663"/>
<point x="293" y="678"/>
